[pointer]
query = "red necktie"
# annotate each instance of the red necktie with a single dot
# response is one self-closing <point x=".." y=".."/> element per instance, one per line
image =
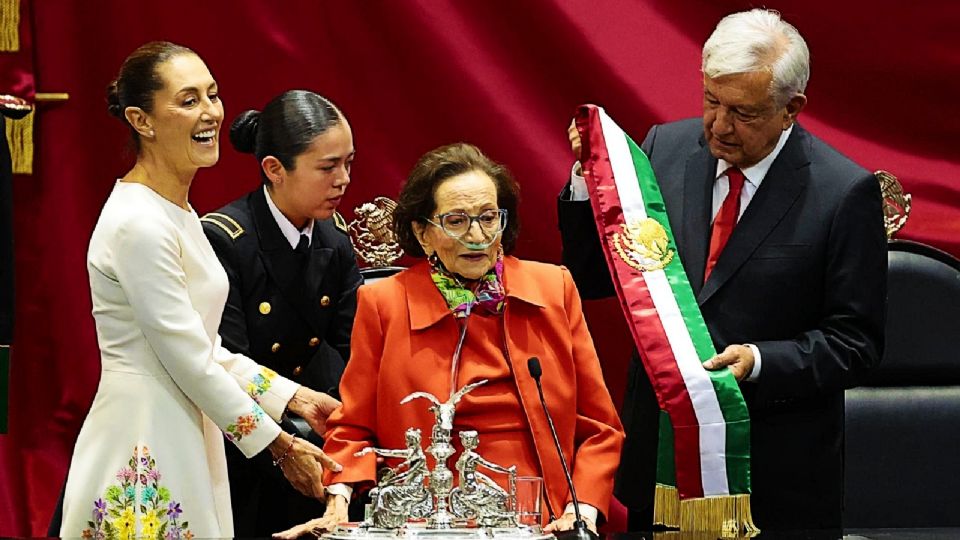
<point x="726" y="219"/>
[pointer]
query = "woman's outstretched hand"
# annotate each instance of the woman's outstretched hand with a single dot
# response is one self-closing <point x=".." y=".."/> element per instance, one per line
<point x="565" y="523"/>
<point x="336" y="514"/>
<point x="314" y="407"/>
<point x="302" y="464"/>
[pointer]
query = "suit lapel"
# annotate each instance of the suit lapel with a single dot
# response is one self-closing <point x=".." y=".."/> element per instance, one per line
<point x="777" y="193"/>
<point x="694" y="235"/>
<point x="279" y="259"/>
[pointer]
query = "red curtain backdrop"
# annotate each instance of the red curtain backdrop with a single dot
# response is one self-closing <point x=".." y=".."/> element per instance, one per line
<point x="410" y="76"/>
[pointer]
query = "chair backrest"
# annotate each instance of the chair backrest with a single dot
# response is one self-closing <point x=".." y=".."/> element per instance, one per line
<point x="902" y="438"/>
<point x="923" y="318"/>
<point x="373" y="274"/>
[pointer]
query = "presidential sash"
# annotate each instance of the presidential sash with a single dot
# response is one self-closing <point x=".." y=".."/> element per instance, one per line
<point x="703" y="473"/>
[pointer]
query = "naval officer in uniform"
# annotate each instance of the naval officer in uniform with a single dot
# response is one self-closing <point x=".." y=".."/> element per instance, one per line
<point x="293" y="277"/>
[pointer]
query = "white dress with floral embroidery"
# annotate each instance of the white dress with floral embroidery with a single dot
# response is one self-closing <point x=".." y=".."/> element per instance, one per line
<point x="149" y="461"/>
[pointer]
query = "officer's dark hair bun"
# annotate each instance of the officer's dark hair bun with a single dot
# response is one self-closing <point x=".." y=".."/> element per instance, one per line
<point x="113" y="100"/>
<point x="286" y="128"/>
<point x="243" y="131"/>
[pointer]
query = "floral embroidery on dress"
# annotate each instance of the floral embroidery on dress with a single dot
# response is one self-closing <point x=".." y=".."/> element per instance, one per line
<point x="115" y="515"/>
<point x="244" y="425"/>
<point x="261" y="383"/>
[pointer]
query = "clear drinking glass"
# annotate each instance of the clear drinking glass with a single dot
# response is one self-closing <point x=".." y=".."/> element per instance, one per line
<point x="529" y="492"/>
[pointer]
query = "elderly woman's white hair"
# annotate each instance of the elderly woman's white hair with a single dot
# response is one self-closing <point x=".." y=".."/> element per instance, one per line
<point x="758" y="40"/>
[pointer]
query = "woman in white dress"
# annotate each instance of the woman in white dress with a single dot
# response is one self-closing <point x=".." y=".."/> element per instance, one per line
<point x="149" y="460"/>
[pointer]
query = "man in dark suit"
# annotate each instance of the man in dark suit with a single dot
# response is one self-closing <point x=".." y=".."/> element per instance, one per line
<point x="782" y="240"/>
<point x="290" y="308"/>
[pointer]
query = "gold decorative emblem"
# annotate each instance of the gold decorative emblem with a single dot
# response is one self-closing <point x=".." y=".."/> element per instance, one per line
<point x="643" y="244"/>
<point x="265" y="308"/>
<point x="372" y="234"/>
<point x="896" y="202"/>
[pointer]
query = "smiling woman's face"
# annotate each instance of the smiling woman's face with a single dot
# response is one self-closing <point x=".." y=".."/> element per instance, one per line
<point x="472" y="193"/>
<point x="187" y="114"/>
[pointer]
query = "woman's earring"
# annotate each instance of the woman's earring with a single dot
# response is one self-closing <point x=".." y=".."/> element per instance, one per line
<point x="434" y="260"/>
<point x="152" y="134"/>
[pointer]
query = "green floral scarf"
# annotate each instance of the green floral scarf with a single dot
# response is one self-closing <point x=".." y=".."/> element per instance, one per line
<point x="488" y="295"/>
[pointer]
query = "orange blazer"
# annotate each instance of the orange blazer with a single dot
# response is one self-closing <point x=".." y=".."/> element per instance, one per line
<point x="403" y="328"/>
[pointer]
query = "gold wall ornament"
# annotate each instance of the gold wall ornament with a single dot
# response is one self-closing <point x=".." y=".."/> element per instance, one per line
<point x="373" y="238"/>
<point x="19" y="131"/>
<point x="9" y="25"/>
<point x="643" y="244"/>
<point x="19" y="123"/>
<point x="896" y="202"/>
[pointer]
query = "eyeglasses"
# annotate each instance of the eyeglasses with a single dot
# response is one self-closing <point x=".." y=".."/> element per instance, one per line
<point x="457" y="224"/>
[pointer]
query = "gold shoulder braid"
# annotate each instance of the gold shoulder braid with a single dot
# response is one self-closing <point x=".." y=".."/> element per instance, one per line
<point x="225" y="222"/>
<point x="339" y="222"/>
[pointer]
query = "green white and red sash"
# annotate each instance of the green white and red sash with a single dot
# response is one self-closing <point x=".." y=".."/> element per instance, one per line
<point x="705" y="443"/>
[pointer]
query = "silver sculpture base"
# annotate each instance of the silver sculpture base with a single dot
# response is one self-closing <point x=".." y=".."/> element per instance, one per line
<point x="412" y="531"/>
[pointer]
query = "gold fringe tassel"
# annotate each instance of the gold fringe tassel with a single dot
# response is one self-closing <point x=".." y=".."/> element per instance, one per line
<point x="666" y="506"/>
<point x="20" y="139"/>
<point x="9" y="25"/>
<point x="729" y="515"/>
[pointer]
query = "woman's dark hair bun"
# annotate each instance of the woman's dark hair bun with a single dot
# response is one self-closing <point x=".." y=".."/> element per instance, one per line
<point x="243" y="131"/>
<point x="113" y="100"/>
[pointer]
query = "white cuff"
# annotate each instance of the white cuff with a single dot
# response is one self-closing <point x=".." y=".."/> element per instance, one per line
<point x="344" y="490"/>
<point x="755" y="372"/>
<point x="586" y="511"/>
<point x="578" y="186"/>
<point x="276" y="400"/>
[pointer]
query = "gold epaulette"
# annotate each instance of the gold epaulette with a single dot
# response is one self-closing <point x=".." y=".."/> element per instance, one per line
<point x="225" y="222"/>
<point x="340" y="223"/>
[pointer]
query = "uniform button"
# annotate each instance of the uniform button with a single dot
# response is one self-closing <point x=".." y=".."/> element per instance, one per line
<point x="275" y="348"/>
<point x="265" y="308"/>
<point x="324" y="300"/>
<point x="314" y="342"/>
<point x="297" y="370"/>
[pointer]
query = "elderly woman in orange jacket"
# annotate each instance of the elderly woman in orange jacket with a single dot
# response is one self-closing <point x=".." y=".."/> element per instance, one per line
<point x="458" y="209"/>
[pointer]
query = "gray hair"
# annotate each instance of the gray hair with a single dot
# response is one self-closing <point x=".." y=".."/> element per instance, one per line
<point x="758" y="40"/>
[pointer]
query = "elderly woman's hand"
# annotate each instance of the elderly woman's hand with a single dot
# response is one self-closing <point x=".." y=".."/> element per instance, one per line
<point x="314" y="407"/>
<point x="565" y="523"/>
<point x="302" y="464"/>
<point x="336" y="514"/>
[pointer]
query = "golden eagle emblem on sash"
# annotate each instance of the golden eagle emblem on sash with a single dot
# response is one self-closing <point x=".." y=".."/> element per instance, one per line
<point x="643" y="244"/>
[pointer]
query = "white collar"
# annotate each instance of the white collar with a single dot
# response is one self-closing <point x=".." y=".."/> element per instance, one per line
<point x="756" y="173"/>
<point x="289" y="231"/>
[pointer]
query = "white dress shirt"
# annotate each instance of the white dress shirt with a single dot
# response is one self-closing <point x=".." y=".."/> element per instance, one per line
<point x="289" y="231"/>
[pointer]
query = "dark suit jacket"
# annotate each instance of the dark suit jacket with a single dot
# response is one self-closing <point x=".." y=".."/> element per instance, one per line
<point x="293" y="317"/>
<point x="803" y="277"/>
